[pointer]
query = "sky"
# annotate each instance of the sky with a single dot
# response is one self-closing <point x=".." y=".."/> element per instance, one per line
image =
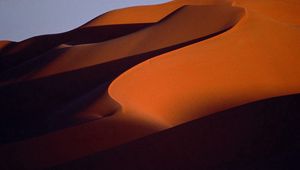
<point x="22" y="19"/>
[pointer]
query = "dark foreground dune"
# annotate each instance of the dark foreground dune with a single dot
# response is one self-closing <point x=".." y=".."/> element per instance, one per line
<point x="258" y="135"/>
<point x="205" y="84"/>
<point x="103" y="64"/>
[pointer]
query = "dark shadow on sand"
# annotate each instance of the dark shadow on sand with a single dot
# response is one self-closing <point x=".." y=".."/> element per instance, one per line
<point x="31" y="65"/>
<point x="260" y="135"/>
<point x="27" y="106"/>
<point x="18" y="53"/>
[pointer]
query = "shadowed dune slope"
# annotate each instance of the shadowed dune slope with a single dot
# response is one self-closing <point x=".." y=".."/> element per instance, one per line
<point x="4" y="44"/>
<point x="256" y="59"/>
<point x="225" y="18"/>
<point x="251" y="136"/>
<point x="118" y="22"/>
<point x="191" y="76"/>
<point x="173" y="30"/>
<point x="19" y="103"/>
<point x="254" y="134"/>
<point x="27" y="113"/>
<point x="18" y="53"/>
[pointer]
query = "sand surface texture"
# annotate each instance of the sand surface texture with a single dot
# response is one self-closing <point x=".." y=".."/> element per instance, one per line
<point x="219" y="78"/>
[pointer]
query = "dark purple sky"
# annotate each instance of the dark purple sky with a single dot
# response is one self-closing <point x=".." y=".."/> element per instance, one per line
<point x="21" y="19"/>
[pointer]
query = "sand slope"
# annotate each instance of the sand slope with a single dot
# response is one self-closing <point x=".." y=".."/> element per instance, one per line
<point x="95" y="70"/>
<point x="235" y="67"/>
<point x="4" y="43"/>
<point x="82" y="95"/>
<point x="251" y="136"/>
<point x="31" y="48"/>
<point x="147" y="14"/>
<point x="149" y="39"/>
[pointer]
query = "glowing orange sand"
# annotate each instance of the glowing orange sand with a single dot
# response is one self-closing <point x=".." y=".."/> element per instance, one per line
<point x="189" y="59"/>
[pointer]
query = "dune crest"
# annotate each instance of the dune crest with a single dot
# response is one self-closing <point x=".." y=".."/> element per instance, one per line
<point x="149" y="39"/>
<point x="199" y="77"/>
<point x="206" y="75"/>
<point x="148" y="13"/>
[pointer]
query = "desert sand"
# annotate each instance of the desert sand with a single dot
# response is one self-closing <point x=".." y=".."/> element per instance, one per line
<point x="188" y="83"/>
<point x="4" y="44"/>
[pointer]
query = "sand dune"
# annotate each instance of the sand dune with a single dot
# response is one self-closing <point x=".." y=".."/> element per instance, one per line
<point x="282" y="11"/>
<point x="113" y="24"/>
<point x="100" y="70"/>
<point x="4" y="44"/>
<point x="33" y="47"/>
<point x="147" y="14"/>
<point x="253" y="136"/>
<point x="149" y="39"/>
<point x="236" y="67"/>
<point x="147" y="87"/>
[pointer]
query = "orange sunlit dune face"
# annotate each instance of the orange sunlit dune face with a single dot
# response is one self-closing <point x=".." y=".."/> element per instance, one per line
<point x="148" y="39"/>
<point x="198" y="79"/>
<point x="138" y="71"/>
<point x="149" y="13"/>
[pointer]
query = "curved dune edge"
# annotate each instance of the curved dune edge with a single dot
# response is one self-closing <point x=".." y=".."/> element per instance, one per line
<point x="80" y="145"/>
<point x="147" y="13"/>
<point x="149" y="39"/>
<point x="245" y="64"/>
<point x="149" y="35"/>
<point x="222" y="18"/>
<point x="190" y="80"/>
<point x="24" y="51"/>
<point x="252" y="136"/>
<point x="29" y="49"/>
